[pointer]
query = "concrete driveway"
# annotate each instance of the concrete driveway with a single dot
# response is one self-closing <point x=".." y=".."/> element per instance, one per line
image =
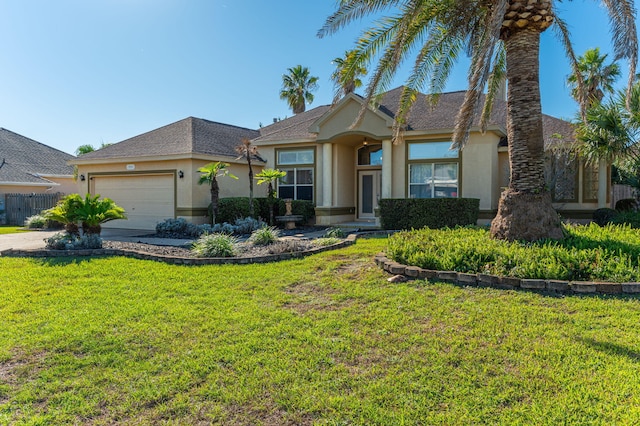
<point x="35" y="239"/>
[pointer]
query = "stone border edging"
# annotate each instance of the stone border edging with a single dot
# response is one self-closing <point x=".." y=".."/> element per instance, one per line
<point x="506" y="283"/>
<point x="176" y="260"/>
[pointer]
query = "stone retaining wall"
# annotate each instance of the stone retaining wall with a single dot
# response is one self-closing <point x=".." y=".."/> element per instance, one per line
<point x="174" y="259"/>
<point x="510" y="283"/>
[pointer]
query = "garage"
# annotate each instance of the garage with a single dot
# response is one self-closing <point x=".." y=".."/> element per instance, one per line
<point x="146" y="198"/>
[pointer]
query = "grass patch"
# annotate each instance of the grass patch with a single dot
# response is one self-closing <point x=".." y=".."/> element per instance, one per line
<point x="320" y="340"/>
<point x="588" y="253"/>
<point x="6" y="229"/>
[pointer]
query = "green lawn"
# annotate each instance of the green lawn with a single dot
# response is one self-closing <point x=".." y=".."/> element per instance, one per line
<point x="5" y="229"/>
<point x="321" y="340"/>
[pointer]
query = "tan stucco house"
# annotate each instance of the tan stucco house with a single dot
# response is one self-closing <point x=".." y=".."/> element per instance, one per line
<point x="154" y="176"/>
<point x="344" y="170"/>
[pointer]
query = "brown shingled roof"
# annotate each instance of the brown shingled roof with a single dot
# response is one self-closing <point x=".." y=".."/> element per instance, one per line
<point x="422" y="117"/>
<point x="188" y="136"/>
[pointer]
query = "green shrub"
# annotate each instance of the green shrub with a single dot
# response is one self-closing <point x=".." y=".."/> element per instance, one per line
<point x="604" y="216"/>
<point x="35" y="222"/>
<point x="629" y="217"/>
<point x="232" y="208"/>
<point x="66" y="241"/>
<point x="588" y="253"/>
<point x="265" y="236"/>
<point x="334" y="233"/>
<point x="626" y="204"/>
<point x="327" y="241"/>
<point x="419" y="213"/>
<point x="215" y="245"/>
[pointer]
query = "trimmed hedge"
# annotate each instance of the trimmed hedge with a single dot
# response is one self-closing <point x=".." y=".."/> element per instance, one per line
<point x="419" y="213"/>
<point x="230" y="209"/>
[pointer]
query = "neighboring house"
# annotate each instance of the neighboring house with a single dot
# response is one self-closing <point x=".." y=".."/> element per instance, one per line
<point x="30" y="167"/>
<point x="346" y="170"/>
<point x="154" y="176"/>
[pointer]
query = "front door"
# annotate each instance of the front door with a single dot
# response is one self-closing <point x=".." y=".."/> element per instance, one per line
<point x="369" y="187"/>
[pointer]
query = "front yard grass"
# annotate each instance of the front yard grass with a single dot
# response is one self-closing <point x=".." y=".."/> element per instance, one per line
<point x="6" y="229"/>
<point x="320" y="340"/>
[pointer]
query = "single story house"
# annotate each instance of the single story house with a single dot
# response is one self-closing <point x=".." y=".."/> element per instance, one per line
<point x="30" y="167"/>
<point x="347" y="170"/>
<point x="154" y="176"/>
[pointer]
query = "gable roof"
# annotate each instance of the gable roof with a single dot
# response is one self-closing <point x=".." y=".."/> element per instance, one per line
<point x="25" y="161"/>
<point x="422" y="117"/>
<point x="188" y="136"/>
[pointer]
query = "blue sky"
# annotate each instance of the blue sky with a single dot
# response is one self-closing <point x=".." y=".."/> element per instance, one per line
<point x="77" y="72"/>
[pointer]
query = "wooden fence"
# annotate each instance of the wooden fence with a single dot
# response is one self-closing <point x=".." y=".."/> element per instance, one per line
<point x="18" y="207"/>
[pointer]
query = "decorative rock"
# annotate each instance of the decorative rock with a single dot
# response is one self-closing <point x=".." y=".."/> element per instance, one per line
<point x="631" y="288"/>
<point x="488" y="280"/>
<point x="509" y="283"/>
<point x="583" y="287"/>
<point x="467" y="279"/>
<point x="397" y="279"/>
<point x="397" y="268"/>
<point x="532" y="284"/>
<point x="558" y="286"/>
<point x="412" y="271"/>
<point x="448" y="276"/>
<point x="609" y="288"/>
<point x="427" y="274"/>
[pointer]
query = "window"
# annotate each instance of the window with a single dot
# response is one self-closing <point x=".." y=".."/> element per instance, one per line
<point x="437" y="178"/>
<point x="297" y="184"/>
<point x="433" y="180"/>
<point x="370" y="155"/>
<point x="561" y="175"/>
<point x="590" y="179"/>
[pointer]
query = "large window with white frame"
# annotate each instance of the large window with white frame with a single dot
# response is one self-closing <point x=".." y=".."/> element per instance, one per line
<point x="299" y="165"/>
<point x="433" y="170"/>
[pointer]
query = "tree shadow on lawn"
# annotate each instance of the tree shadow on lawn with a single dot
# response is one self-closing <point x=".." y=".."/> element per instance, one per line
<point x="611" y="348"/>
<point x="67" y="260"/>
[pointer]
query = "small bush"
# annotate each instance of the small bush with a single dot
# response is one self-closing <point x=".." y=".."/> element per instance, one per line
<point x="180" y="228"/>
<point x="416" y="213"/>
<point x="35" y="222"/>
<point x="627" y="204"/>
<point x="604" y="216"/>
<point x="334" y="233"/>
<point x="630" y="217"/>
<point x="247" y="225"/>
<point x="215" y="245"/>
<point x="65" y="241"/>
<point x="265" y="236"/>
<point x="327" y="241"/>
<point x="289" y="246"/>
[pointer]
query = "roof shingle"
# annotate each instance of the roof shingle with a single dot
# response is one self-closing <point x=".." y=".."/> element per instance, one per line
<point x="24" y="160"/>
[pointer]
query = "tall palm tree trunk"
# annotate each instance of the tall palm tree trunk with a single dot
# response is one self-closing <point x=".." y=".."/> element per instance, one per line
<point x="525" y="210"/>
<point x="215" y="194"/>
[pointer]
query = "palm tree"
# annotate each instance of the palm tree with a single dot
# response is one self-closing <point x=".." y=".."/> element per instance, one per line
<point x="502" y="37"/>
<point x="247" y="151"/>
<point x="297" y="86"/>
<point x="209" y="174"/>
<point x="93" y="212"/>
<point x="270" y="176"/>
<point x="346" y="75"/>
<point x="66" y="213"/>
<point x="597" y="78"/>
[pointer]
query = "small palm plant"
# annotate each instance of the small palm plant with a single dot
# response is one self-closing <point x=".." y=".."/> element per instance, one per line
<point x="93" y="212"/>
<point x="66" y="213"/>
<point x="209" y="174"/>
<point x="247" y="151"/>
<point x="269" y="176"/>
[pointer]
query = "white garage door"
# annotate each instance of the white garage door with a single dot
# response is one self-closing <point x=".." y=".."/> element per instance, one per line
<point x="147" y="199"/>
